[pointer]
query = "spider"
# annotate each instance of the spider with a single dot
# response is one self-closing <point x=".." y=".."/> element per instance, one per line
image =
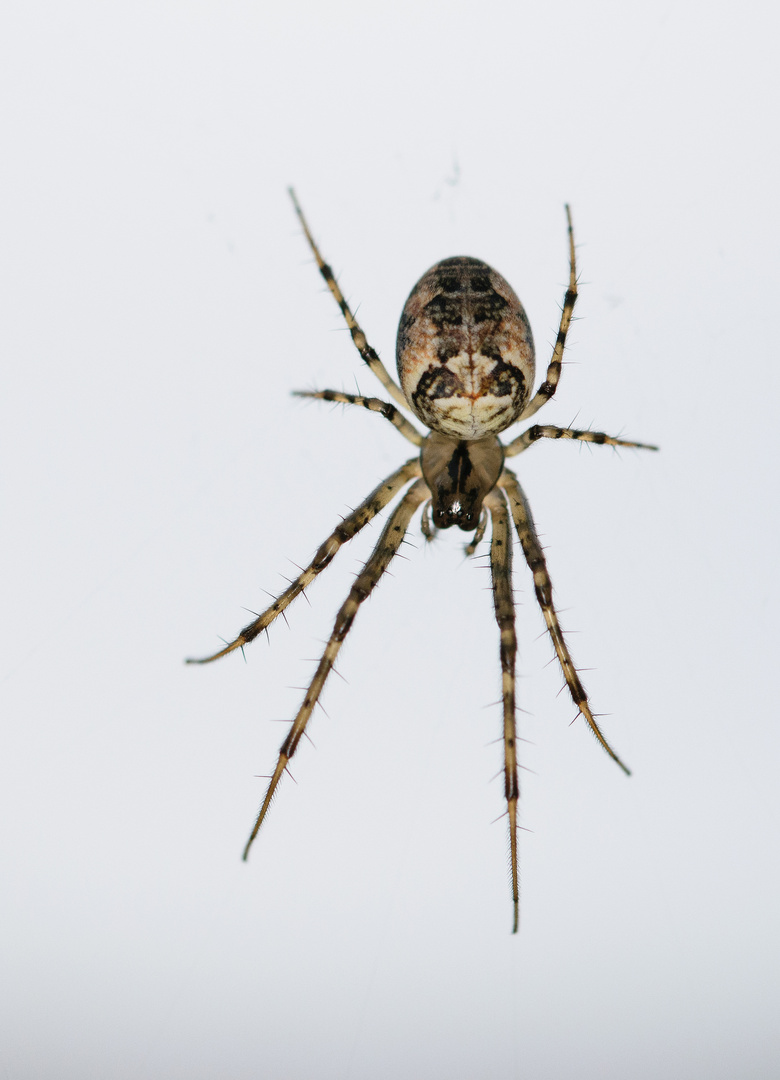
<point x="465" y="358"/>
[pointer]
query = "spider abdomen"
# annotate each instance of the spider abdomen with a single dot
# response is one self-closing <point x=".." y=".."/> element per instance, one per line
<point x="465" y="350"/>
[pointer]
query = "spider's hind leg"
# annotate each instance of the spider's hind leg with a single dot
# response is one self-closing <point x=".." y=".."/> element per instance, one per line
<point x="369" y="354"/>
<point x="550" y="384"/>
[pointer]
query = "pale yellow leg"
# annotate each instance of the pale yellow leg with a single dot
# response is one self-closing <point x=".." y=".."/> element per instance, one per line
<point x="532" y="550"/>
<point x="503" y="603"/>
<point x="409" y="431"/>
<point x="550" y="384"/>
<point x="547" y="431"/>
<point x="352" y="524"/>
<point x="369" y="354"/>
<point x="388" y="544"/>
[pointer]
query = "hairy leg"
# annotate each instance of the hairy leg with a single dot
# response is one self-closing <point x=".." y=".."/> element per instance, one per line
<point x="349" y="527"/>
<point x="409" y="431"/>
<point x="388" y="544"/>
<point x="550" y="384"/>
<point x="503" y="603"/>
<point x="534" y="556"/>
<point x="547" y="431"/>
<point x="369" y="354"/>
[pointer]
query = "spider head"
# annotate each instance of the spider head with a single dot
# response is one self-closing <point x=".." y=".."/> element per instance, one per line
<point x="460" y="473"/>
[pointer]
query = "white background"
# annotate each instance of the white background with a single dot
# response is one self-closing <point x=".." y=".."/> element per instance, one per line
<point x="156" y="477"/>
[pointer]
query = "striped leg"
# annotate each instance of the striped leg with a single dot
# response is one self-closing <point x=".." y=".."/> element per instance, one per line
<point x="409" y="431"/>
<point x="501" y="570"/>
<point x="366" y="351"/>
<point x="534" y="556"/>
<point x="547" y="431"/>
<point x="550" y="384"/>
<point x="389" y="542"/>
<point x="349" y="527"/>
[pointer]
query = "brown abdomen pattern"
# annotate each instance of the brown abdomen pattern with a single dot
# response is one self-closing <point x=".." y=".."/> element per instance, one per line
<point x="465" y="350"/>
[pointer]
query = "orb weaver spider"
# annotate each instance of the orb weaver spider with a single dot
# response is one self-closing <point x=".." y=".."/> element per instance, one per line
<point x="466" y="366"/>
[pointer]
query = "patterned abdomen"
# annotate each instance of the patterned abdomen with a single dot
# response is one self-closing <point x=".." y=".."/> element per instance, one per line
<point x="465" y="350"/>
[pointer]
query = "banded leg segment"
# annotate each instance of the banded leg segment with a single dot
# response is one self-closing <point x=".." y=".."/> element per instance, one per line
<point x="349" y="527"/>
<point x="550" y="384"/>
<point x="503" y="603"/>
<point x="389" y="543"/>
<point x="409" y="431"/>
<point x="534" y="556"/>
<point x="369" y="354"/>
<point x="547" y="431"/>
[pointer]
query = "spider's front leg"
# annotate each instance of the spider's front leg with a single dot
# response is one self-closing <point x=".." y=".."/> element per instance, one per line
<point x="501" y="570"/>
<point x="534" y="556"/>
<point x="388" y="544"/>
<point x="349" y="527"/>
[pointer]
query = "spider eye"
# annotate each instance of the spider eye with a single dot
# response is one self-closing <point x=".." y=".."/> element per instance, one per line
<point x="452" y="511"/>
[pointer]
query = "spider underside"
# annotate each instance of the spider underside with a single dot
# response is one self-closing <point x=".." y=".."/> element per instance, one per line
<point x="466" y="364"/>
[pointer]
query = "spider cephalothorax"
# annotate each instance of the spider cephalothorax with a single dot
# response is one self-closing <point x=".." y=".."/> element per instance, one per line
<point x="460" y="473"/>
<point x="466" y="365"/>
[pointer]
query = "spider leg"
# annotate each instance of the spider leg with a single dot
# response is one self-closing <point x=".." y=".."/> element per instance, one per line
<point x="547" y="431"/>
<point x="369" y="354"/>
<point x="503" y="602"/>
<point x="550" y="384"/>
<point x="388" y="544"/>
<point x="409" y="431"/>
<point x="534" y="556"/>
<point x="349" y="527"/>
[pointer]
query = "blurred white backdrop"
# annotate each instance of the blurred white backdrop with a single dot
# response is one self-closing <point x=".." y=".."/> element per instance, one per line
<point x="156" y="477"/>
